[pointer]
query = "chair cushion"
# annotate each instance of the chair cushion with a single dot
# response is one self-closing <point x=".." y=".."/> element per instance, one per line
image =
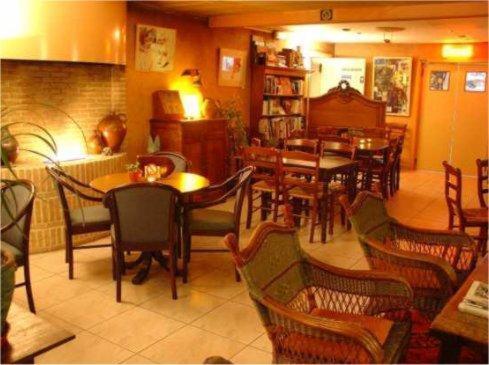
<point x="96" y="214"/>
<point x="304" y="192"/>
<point x="379" y="327"/>
<point x="18" y="254"/>
<point x="211" y="220"/>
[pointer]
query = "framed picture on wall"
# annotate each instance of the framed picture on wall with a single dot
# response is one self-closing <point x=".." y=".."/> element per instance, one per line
<point x="155" y="48"/>
<point x="392" y="83"/>
<point x="475" y="81"/>
<point x="232" y="67"/>
<point x="439" y="80"/>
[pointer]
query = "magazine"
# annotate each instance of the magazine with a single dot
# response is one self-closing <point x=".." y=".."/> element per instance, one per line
<point x="476" y="301"/>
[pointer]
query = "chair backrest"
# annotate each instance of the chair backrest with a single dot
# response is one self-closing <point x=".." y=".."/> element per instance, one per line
<point x="368" y="215"/>
<point x="453" y="189"/>
<point x="271" y="263"/>
<point x="339" y="148"/>
<point x="143" y="215"/>
<point x="482" y="181"/>
<point x="396" y="129"/>
<point x="266" y="162"/>
<point x="17" y="205"/>
<point x="81" y="190"/>
<point x="376" y="133"/>
<point x="302" y="144"/>
<point x="242" y="178"/>
<point x="305" y="165"/>
<point x="325" y="131"/>
<point x="164" y="162"/>
<point x="179" y="161"/>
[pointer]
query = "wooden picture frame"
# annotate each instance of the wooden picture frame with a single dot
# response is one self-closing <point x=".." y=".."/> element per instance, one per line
<point x="439" y="80"/>
<point x="155" y="48"/>
<point x="475" y="81"/>
<point x="391" y="83"/>
<point x="232" y="67"/>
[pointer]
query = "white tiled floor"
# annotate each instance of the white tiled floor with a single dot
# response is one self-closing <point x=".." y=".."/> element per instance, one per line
<point x="213" y="315"/>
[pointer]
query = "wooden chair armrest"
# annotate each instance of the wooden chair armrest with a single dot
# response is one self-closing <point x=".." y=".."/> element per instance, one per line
<point x="437" y="264"/>
<point x="350" y="330"/>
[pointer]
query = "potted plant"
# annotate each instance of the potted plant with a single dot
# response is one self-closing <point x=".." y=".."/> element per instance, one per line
<point x="134" y="172"/>
<point x="8" y="286"/>
<point x="230" y="109"/>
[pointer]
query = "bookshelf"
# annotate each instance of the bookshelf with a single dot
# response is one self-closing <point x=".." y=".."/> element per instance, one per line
<point x="277" y="101"/>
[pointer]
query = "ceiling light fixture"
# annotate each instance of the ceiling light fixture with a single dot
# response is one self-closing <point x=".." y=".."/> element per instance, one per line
<point x="387" y="30"/>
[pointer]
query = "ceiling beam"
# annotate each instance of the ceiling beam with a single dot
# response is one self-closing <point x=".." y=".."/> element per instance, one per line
<point x="360" y="13"/>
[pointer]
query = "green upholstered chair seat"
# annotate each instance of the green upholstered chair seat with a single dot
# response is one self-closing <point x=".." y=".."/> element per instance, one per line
<point x="95" y="214"/>
<point x="210" y="220"/>
<point x="18" y="254"/>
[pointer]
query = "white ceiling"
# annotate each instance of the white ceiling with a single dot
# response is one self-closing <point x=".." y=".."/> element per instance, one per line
<point x="416" y="31"/>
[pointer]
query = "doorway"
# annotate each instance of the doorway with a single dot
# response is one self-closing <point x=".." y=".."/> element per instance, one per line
<point x="453" y="120"/>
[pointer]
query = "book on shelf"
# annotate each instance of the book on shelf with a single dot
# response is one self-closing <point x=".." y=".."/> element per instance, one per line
<point x="476" y="301"/>
<point x="277" y="127"/>
<point x="276" y="85"/>
<point x="281" y="107"/>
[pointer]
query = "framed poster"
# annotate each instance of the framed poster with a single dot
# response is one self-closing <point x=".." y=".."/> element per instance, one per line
<point x="475" y="81"/>
<point x="392" y="83"/>
<point x="349" y="69"/>
<point x="232" y="67"/>
<point x="439" y="80"/>
<point x="155" y="48"/>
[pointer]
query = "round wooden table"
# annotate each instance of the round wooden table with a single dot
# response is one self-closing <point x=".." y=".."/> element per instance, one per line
<point x="184" y="182"/>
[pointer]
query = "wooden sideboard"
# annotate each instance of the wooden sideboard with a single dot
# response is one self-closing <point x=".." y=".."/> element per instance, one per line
<point x="202" y="141"/>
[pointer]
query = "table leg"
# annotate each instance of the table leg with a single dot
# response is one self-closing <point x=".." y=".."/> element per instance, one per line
<point x="324" y="209"/>
<point x="449" y="350"/>
<point x="142" y="274"/>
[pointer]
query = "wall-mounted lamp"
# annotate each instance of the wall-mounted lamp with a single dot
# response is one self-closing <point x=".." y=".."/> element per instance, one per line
<point x="194" y="74"/>
<point x="458" y="51"/>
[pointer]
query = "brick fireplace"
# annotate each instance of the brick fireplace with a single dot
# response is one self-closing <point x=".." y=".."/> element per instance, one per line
<point x="86" y="91"/>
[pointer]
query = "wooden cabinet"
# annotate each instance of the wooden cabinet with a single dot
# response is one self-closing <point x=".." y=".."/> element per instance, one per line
<point x="203" y="142"/>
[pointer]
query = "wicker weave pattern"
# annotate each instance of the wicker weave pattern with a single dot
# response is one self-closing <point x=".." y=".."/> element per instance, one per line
<point x="287" y="285"/>
<point x="434" y="262"/>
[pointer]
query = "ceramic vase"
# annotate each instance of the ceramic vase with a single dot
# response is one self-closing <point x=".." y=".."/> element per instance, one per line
<point x="113" y="129"/>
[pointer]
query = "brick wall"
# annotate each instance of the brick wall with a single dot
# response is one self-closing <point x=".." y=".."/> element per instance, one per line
<point x="87" y="92"/>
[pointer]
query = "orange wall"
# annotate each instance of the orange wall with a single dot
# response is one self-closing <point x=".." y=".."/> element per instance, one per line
<point x="77" y="31"/>
<point x="197" y="46"/>
<point x="429" y="52"/>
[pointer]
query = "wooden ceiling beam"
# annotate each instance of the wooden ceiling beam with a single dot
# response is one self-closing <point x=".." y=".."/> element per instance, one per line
<point x="354" y="14"/>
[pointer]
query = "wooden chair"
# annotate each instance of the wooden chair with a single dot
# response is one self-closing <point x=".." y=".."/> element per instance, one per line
<point x="17" y="204"/>
<point x="379" y="170"/>
<point x="376" y="133"/>
<point x="165" y="163"/>
<point x="335" y="146"/>
<point x="328" y="131"/>
<point x="482" y="181"/>
<point x="179" y="161"/>
<point x="338" y="185"/>
<point x="301" y="144"/>
<point x="317" y="313"/>
<point x="434" y="262"/>
<point x="144" y="220"/>
<point x="265" y="181"/>
<point x="300" y="181"/>
<point x="81" y="220"/>
<point x="397" y="130"/>
<point x="200" y="220"/>
<point x="467" y="217"/>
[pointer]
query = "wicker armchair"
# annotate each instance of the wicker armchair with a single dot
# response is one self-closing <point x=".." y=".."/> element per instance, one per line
<point x="434" y="262"/>
<point x="316" y="313"/>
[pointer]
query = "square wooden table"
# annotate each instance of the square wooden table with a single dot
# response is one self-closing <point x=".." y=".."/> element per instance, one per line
<point x="30" y="336"/>
<point x="455" y="328"/>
